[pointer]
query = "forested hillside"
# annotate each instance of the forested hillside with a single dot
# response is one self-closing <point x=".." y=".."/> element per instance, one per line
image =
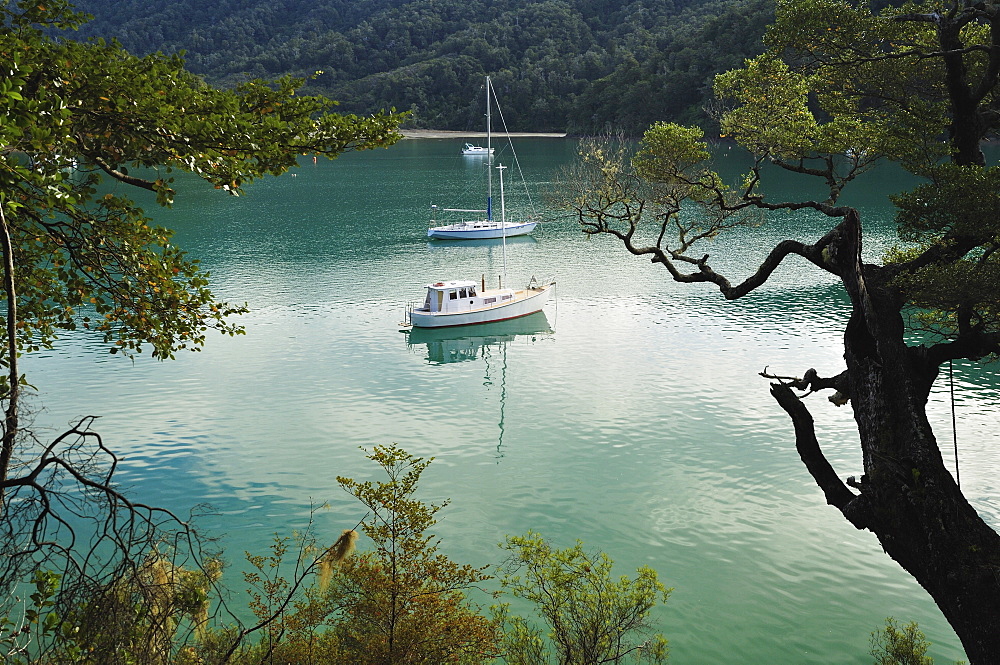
<point x="559" y="65"/>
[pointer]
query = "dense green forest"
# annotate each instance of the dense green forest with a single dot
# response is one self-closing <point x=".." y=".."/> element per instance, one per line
<point x="559" y="65"/>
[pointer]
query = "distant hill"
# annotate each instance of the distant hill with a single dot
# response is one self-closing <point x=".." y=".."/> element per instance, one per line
<point x="559" y="65"/>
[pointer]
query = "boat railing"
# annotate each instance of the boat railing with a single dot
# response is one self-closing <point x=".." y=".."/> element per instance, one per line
<point x="456" y="215"/>
<point x="534" y="283"/>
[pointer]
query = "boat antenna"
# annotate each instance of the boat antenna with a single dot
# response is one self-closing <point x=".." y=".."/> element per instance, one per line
<point x="503" y="224"/>
<point x="489" y="156"/>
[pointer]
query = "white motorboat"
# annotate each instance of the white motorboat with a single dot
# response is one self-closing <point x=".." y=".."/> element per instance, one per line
<point x="464" y="303"/>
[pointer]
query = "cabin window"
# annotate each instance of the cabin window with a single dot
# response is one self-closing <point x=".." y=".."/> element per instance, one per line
<point x="472" y="292"/>
<point x="462" y="293"/>
<point x="487" y="301"/>
<point x="453" y="295"/>
<point x="507" y="297"/>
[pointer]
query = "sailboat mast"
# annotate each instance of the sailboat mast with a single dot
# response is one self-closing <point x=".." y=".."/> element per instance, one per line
<point x="503" y="224"/>
<point x="489" y="156"/>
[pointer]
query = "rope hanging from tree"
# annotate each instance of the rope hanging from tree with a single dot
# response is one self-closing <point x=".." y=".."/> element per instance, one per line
<point x="954" y="428"/>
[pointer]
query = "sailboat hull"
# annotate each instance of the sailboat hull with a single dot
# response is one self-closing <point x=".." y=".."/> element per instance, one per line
<point x="524" y="303"/>
<point x="479" y="230"/>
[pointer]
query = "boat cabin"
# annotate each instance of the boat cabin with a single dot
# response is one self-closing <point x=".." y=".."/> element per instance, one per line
<point x="462" y="296"/>
<point x="470" y="149"/>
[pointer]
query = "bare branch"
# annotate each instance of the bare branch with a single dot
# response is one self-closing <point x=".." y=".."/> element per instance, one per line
<point x="836" y="491"/>
<point x="812" y="382"/>
<point x="609" y="198"/>
<point x="63" y="513"/>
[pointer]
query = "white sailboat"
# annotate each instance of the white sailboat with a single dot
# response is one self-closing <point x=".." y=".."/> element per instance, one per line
<point x="464" y="302"/>
<point x="482" y="225"/>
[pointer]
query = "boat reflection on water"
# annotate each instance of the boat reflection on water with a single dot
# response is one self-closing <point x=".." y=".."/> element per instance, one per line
<point x="481" y="242"/>
<point x="455" y="344"/>
<point x="486" y="342"/>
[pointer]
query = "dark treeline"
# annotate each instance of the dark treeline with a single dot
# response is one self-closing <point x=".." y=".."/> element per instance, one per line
<point x="559" y="65"/>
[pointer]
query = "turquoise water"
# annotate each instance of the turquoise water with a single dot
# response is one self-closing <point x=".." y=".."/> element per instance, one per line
<point x="630" y="415"/>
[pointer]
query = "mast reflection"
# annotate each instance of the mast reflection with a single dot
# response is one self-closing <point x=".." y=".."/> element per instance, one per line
<point x="486" y="342"/>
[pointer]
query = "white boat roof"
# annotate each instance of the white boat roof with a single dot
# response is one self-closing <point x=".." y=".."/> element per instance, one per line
<point x="453" y="284"/>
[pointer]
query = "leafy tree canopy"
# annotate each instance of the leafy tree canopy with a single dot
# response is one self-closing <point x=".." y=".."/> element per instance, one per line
<point x="405" y="601"/>
<point x="75" y="114"/>
<point x="592" y="618"/>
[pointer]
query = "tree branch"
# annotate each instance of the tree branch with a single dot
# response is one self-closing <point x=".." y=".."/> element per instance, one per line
<point x="837" y="493"/>
<point x="812" y="382"/>
<point x="971" y="347"/>
<point x="122" y="177"/>
<point x="10" y="428"/>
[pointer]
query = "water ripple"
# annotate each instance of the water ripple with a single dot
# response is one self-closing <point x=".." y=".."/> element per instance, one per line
<point x="640" y="426"/>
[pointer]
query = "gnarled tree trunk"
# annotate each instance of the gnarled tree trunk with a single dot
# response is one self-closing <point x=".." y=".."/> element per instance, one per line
<point x="907" y="496"/>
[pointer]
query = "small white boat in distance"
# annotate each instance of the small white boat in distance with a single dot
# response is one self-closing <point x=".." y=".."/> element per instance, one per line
<point x="463" y="303"/>
<point x="469" y="149"/>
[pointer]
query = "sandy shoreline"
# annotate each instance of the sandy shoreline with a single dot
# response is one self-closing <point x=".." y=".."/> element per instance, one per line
<point x="443" y="134"/>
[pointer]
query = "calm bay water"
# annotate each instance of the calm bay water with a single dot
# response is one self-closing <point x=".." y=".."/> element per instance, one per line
<point x="629" y="416"/>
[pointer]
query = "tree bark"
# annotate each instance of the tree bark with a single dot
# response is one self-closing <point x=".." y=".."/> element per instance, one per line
<point x="966" y="130"/>
<point x="10" y="426"/>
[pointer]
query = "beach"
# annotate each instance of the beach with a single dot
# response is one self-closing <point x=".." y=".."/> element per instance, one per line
<point x="446" y="134"/>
